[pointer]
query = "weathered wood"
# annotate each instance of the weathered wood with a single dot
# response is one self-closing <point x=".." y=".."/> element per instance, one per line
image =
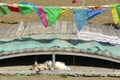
<point x="117" y="33"/>
<point x="93" y="28"/>
<point x="3" y="32"/>
<point x="69" y="27"/>
<point x="57" y="27"/>
<point x="27" y="28"/>
<point x="49" y="29"/>
<point x="63" y="27"/>
<point x="87" y="28"/>
<point x="40" y="28"/>
<point x="13" y="31"/>
<point x="111" y="30"/>
<point x="96" y="27"/>
<point x="99" y="30"/>
<point x="31" y="25"/>
<point x="33" y="29"/>
<point x="7" y="33"/>
<point x="10" y="32"/>
<point x="74" y="28"/>
<point x="37" y="30"/>
<point x="20" y="29"/>
<point x="105" y="30"/>
<point x="83" y="29"/>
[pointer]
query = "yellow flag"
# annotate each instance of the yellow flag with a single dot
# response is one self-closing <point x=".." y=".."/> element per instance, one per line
<point x="63" y="12"/>
<point x="115" y="15"/>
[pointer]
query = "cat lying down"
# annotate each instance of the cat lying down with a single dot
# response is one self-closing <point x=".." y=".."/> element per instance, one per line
<point x="47" y="65"/>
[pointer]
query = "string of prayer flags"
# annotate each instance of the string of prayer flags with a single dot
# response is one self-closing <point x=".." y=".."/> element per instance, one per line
<point x="52" y="14"/>
<point x="115" y="12"/>
<point x="49" y="15"/>
<point x="94" y="12"/>
<point x="25" y="9"/>
<point x="13" y="7"/>
<point x="4" y="10"/>
<point x="80" y="17"/>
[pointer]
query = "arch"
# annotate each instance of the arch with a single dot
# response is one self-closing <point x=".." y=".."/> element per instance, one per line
<point x="61" y="53"/>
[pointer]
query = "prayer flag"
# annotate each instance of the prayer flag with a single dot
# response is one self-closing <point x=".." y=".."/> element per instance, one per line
<point x="25" y="9"/>
<point x="80" y="17"/>
<point x="3" y="10"/>
<point x="63" y="12"/>
<point x="116" y="12"/>
<point x="13" y="7"/>
<point x="42" y="16"/>
<point x="52" y="14"/>
<point x="34" y="5"/>
<point x="92" y="13"/>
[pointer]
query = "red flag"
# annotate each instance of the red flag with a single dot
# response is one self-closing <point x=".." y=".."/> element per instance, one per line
<point x="74" y="1"/>
<point x="13" y="7"/>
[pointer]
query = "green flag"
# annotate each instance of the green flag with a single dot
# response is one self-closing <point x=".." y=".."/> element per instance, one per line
<point x="51" y="14"/>
<point x="3" y="10"/>
<point x="118" y="9"/>
<point x="25" y="9"/>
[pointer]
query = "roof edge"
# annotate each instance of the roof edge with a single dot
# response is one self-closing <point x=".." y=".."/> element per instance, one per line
<point x="59" y="51"/>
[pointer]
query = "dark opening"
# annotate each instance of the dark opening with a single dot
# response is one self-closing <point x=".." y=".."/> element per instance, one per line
<point x="25" y="60"/>
<point x="68" y="59"/>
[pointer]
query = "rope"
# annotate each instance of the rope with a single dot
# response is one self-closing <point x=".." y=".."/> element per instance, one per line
<point x="70" y="7"/>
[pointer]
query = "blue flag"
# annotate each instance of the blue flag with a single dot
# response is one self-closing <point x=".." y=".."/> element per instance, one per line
<point x="80" y="17"/>
<point x="92" y="13"/>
